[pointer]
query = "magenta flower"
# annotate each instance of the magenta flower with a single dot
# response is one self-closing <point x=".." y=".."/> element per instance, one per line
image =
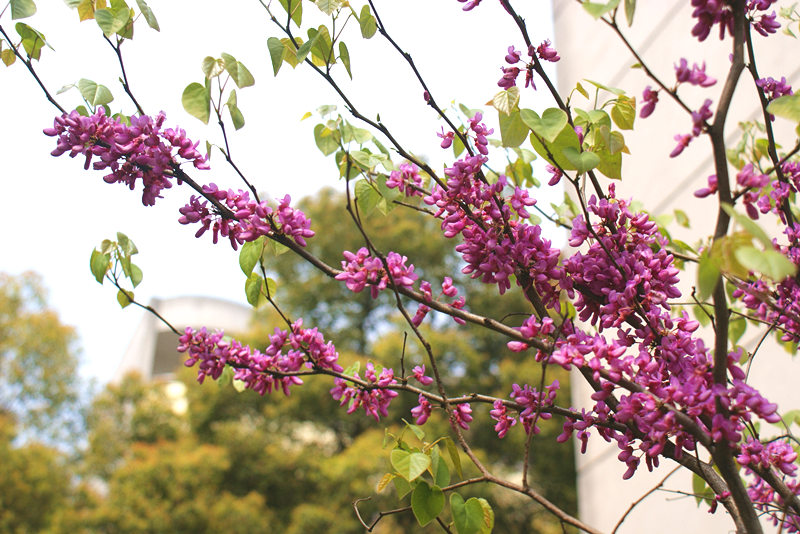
<point x="546" y="52"/>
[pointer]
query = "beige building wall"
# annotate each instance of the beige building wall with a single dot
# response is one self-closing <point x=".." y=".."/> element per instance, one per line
<point x="662" y="35"/>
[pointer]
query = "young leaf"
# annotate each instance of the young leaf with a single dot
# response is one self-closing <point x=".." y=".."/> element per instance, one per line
<point x="99" y="264"/>
<point x="239" y="73"/>
<point x="275" y="47"/>
<point x="707" y="276"/>
<point x="112" y="21"/>
<point x="250" y="254"/>
<point x="136" y="275"/>
<point x="21" y="9"/>
<point x="787" y="106"/>
<point x="32" y="40"/>
<point x="582" y="161"/>
<point x="549" y="126"/>
<point x="253" y="288"/>
<point x="296" y="9"/>
<point x="328" y="6"/>
<point x="426" y="502"/>
<point x="630" y="9"/>
<point x="344" y="55"/>
<point x="124" y="297"/>
<point x="95" y="94"/>
<point x="384" y="481"/>
<point x="367" y="23"/>
<point x="505" y="101"/>
<point x="770" y="263"/>
<point x="213" y="67"/>
<point x="409" y="465"/>
<point x="513" y="130"/>
<point x="196" y="101"/>
<point x="148" y="15"/>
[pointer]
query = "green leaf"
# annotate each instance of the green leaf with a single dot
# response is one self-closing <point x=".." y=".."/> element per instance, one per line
<point x="344" y="55"/>
<point x="367" y="23"/>
<point x="241" y="76"/>
<point x="770" y="263"/>
<point x="623" y="113"/>
<point x="513" y="130"/>
<point x="549" y="126"/>
<point x="148" y="15"/>
<point x="21" y="9"/>
<point x="367" y="197"/>
<point x="126" y="244"/>
<point x="749" y="225"/>
<point x="441" y="473"/>
<point x="136" y="275"/>
<point x="426" y="502"/>
<point x="253" y="289"/>
<point x="213" y="67"/>
<point x="250" y="254"/>
<point x="409" y="465"/>
<point x="787" y="106"/>
<point x="452" y="450"/>
<point x="32" y="40"/>
<point x="707" y="276"/>
<point x="581" y="161"/>
<point x="321" y="51"/>
<point x="95" y="94"/>
<point x="681" y="218"/>
<point x="328" y="6"/>
<point x="402" y="486"/>
<point x="8" y="56"/>
<point x="196" y="101"/>
<point x="327" y="140"/>
<point x="239" y="385"/>
<point x="296" y="10"/>
<point x="303" y="50"/>
<point x="700" y="489"/>
<point x="99" y="264"/>
<point x="124" y="297"/>
<point x="505" y="101"/>
<point x="275" y="47"/>
<point x="598" y="10"/>
<point x="599" y="85"/>
<point x="236" y="115"/>
<point x="112" y="21"/>
<point x="736" y="328"/>
<point x="630" y="9"/>
<point x="468" y="517"/>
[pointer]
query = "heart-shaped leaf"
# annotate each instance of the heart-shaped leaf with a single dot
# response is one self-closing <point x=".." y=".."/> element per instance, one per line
<point x="582" y="161"/>
<point x="426" y="502"/>
<point x="548" y="126"/>
<point x="409" y="465"/>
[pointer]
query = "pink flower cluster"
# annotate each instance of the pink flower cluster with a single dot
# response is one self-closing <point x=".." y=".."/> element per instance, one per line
<point x="531" y="403"/>
<point x="406" y="179"/>
<point x="374" y="399"/>
<point x="251" y="219"/>
<point x="288" y="354"/>
<point x="448" y="290"/>
<point x="139" y="151"/>
<point x="718" y="12"/>
<point x="496" y="243"/>
<point x="695" y="76"/>
<point x="362" y="268"/>
<point x="544" y="51"/>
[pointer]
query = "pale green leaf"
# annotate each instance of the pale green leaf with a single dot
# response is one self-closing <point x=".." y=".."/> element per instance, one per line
<point x="196" y="101"/>
<point x="148" y="15"/>
<point x="95" y="94"/>
<point x="21" y="9"/>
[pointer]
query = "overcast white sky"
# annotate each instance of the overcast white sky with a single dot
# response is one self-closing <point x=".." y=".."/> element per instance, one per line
<point x="55" y="213"/>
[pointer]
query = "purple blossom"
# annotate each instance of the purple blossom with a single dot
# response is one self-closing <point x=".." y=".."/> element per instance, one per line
<point x="650" y="98"/>
<point x="406" y="179"/>
<point x="419" y="375"/>
<point x="546" y="52"/>
<point x="695" y="76"/>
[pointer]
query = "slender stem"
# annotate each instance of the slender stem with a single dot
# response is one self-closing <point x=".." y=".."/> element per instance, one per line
<point x="125" y="85"/>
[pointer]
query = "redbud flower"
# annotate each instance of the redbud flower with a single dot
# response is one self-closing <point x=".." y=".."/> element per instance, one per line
<point x="512" y="56"/>
<point x="546" y="52"/>
<point x="649" y="97"/>
<point x="419" y="374"/>
<point x="683" y="142"/>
